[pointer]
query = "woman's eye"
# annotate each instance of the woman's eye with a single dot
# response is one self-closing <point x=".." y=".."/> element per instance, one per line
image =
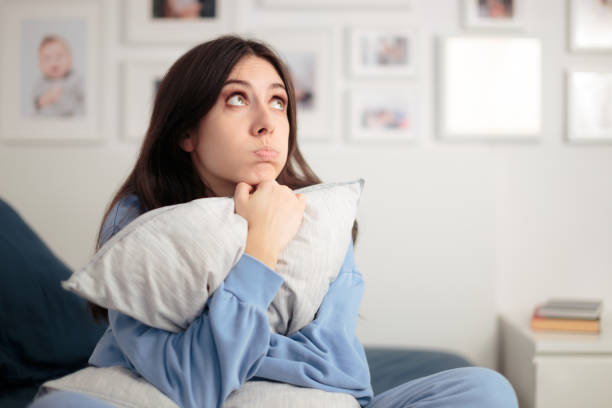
<point x="278" y="103"/>
<point x="236" y="100"/>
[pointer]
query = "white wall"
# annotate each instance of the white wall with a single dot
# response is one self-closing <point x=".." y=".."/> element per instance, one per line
<point x="451" y="233"/>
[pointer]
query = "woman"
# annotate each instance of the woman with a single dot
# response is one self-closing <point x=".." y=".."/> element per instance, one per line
<point x="224" y="124"/>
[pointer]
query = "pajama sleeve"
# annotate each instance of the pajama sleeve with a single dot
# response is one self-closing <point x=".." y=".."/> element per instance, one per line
<point x="325" y="354"/>
<point x="220" y="350"/>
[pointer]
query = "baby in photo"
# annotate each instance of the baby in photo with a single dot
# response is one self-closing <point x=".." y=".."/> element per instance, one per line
<point x="59" y="91"/>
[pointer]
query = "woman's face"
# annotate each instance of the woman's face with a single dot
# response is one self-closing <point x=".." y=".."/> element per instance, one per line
<point x="245" y="136"/>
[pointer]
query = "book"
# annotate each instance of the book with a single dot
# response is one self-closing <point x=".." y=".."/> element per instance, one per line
<point x="566" y="325"/>
<point x="571" y="309"/>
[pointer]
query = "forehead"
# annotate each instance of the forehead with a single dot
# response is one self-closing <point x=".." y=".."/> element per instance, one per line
<point x="55" y="45"/>
<point x="252" y="68"/>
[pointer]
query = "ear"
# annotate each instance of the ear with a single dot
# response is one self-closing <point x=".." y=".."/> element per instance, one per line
<point x="187" y="142"/>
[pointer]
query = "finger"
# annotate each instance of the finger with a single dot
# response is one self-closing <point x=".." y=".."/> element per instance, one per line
<point x="241" y="193"/>
<point x="267" y="185"/>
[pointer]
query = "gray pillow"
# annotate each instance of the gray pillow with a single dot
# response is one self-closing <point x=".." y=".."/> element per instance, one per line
<point x="161" y="268"/>
<point x="124" y="389"/>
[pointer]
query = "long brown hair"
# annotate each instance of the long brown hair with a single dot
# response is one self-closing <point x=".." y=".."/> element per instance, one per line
<point x="164" y="173"/>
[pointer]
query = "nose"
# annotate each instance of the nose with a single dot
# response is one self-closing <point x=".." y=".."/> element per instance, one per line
<point x="263" y="124"/>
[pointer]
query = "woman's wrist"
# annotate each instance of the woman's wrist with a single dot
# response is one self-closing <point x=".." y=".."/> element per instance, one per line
<point x="259" y="248"/>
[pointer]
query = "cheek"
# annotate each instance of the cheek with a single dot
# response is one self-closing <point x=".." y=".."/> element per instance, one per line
<point x="285" y="140"/>
<point x="215" y="146"/>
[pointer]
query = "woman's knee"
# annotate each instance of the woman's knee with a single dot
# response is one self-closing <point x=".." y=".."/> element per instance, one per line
<point x="488" y="387"/>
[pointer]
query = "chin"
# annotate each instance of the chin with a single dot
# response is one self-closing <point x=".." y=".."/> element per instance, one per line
<point x="258" y="179"/>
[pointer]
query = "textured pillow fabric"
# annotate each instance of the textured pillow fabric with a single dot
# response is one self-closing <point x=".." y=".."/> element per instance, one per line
<point x="161" y="268"/>
<point x="125" y="389"/>
<point x="45" y="331"/>
<point x="117" y="385"/>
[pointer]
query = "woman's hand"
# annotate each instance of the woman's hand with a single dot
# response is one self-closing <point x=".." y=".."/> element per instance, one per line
<point x="274" y="214"/>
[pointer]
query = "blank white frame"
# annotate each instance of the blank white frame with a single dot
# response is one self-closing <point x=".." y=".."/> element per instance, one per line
<point x="358" y="68"/>
<point x="315" y="124"/>
<point x="590" y="26"/>
<point x="589" y="100"/>
<point x="402" y="97"/>
<point x="404" y="4"/>
<point x="141" y="27"/>
<point x="16" y="128"/>
<point x="139" y="95"/>
<point x="490" y="88"/>
<point x="472" y="19"/>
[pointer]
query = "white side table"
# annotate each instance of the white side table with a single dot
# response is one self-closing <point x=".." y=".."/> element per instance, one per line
<point x="557" y="370"/>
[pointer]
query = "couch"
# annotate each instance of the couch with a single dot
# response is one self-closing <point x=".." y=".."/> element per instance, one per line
<point x="46" y="332"/>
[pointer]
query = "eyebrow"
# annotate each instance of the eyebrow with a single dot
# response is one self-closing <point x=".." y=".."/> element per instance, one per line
<point x="248" y="85"/>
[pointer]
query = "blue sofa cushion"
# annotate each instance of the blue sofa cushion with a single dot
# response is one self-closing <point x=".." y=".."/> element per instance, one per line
<point x="45" y="331"/>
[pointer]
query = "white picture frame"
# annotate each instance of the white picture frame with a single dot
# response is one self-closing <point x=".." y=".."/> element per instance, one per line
<point x="59" y="101"/>
<point x="346" y="4"/>
<point x="383" y="52"/>
<point x="383" y="114"/>
<point x="494" y="14"/>
<point x="490" y="88"/>
<point x="140" y="81"/>
<point x="142" y="27"/>
<point x="589" y="106"/>
<point x="590" y="24"/>
<point x="308" y="55"/>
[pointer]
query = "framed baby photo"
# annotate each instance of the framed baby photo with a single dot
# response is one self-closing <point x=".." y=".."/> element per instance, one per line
<point x="382" y="52"/>
<point x="590" y="25"/>
<point x="589" y="106"/>
<point x="176" y="21"/>
<point x="383" y="114"/>
<point x="482" y="96"/>
<point x="308" y="55"/>
<point x="494" y="14"/>
<point x="348" y="4"/>
<point x="141" y="80"/>
<point x="50" y="70"/>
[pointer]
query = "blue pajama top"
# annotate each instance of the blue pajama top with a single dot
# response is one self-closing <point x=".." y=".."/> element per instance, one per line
<point x="231" y="342"/>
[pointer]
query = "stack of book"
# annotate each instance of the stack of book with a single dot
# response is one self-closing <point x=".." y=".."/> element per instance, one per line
<point x="568" y="315"/>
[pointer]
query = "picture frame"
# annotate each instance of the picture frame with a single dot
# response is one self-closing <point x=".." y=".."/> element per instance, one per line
<point x="308" y="55"/>
<point x="351" y="4"/>
<point x="383" y="114"/>
<point x="590" y="24"/>
<point x="589" y="106"/>
<point x="494" y="14"/>
<point x="382" y="52"/>
<point x="482" y="96"/>
<point x="148" y="21"/>
<point x="50" y="71"/>
<point x="141" y="79"/>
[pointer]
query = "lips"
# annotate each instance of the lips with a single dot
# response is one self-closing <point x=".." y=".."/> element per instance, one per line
<point x="266" y="153"/>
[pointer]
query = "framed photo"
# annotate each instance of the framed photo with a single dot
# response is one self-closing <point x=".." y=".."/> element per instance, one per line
<point x="590" y="25"/>
<point x="308" y="55"/>
<point x="494" y="14"/>
<point x="176" y="21"/>
<point x="141" y="81"/>
<point x="352" y="4"/>
<point x="382" y="52"/>
<point x="50" y="70"/>
<point x="383" y="114"/>
<point x="490" y="88"/>
<point x="589" y="109"/>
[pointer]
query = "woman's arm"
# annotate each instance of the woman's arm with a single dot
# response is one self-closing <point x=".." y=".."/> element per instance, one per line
<point x="325" y="354"/>
<point x="219" y="351"/>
